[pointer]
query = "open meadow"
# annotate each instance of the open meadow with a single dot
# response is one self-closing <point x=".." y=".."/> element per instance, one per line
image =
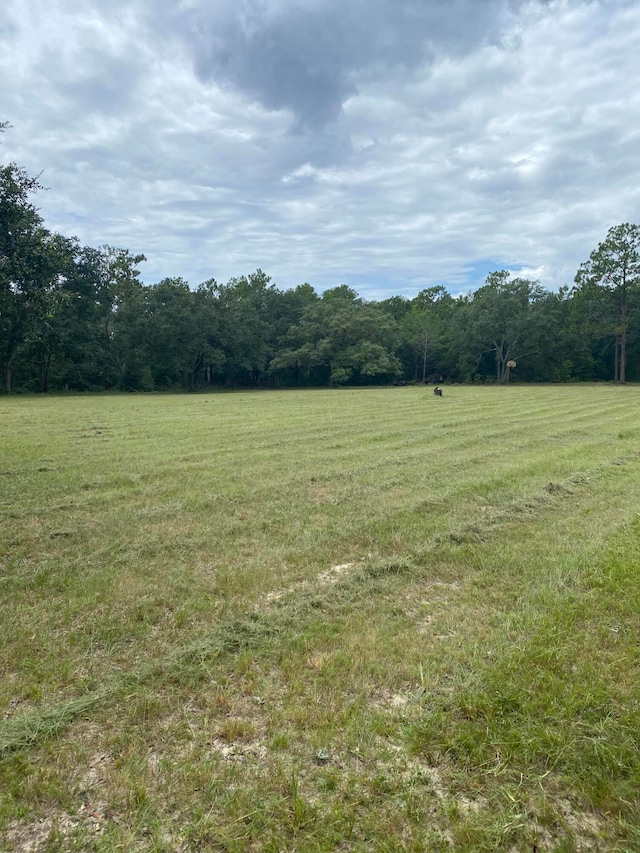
<point x="318" y="620"/>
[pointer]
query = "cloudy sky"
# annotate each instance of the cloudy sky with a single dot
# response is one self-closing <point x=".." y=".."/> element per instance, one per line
<point x="387" y="144"/>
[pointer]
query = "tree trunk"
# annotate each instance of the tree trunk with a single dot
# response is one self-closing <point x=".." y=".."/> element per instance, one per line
<point x="499" y="363"/>
<point x="424" y="360"/>
<point x="623" y="343"/>
<point x="195" y="370"/>
<point x="8" y="371"/>
<point x="43" y="375"/>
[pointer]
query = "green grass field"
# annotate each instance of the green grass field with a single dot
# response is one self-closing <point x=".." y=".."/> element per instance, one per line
<point x="354" y="620"/>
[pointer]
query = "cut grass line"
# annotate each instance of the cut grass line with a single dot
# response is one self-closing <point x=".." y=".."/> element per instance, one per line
<point x="266" y="621"/>
<point x="39" y="724"/>
<point x="231" y="637"/>
<point x="531" y="505"/>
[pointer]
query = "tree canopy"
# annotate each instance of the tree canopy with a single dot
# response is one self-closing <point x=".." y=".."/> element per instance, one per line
<point x="611" y="277"/>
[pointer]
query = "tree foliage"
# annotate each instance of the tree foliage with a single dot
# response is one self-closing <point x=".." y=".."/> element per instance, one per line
<point x="504" y="321"/>
<point x="31" y="262"/>
<point x="611" y="278"/>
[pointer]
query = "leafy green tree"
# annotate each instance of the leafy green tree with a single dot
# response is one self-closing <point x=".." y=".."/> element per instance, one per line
<point x="181" y="334"/>
<point x="119" y="302"/>
<point x="341" y="339"/>
<point x="120" y="279"/>
<point x="290" y="307"/>
<point x="395" y="306"/>
<point x="501" y="321"/>
<point x="589" y="333"/>
<point x="29" y="266"/>
<point x="247" y="330"/>
<point x="613" y="272"/>
<point x="425" y="327"/>
<point x="87" y="359"/>
<point x="48" y="340"/>
<point x="554" y="356"/>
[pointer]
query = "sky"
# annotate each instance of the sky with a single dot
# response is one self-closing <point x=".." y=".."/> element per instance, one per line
<point x="390" y="145"/>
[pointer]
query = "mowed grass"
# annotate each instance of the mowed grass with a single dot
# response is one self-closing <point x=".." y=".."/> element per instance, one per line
<point x="321" y="620"/>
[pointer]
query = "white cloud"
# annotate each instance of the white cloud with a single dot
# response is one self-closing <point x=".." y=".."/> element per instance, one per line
<point x="328" y="142"/>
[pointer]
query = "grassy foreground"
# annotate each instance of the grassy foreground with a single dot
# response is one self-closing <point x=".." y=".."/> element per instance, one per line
<point x="345" y="620"/>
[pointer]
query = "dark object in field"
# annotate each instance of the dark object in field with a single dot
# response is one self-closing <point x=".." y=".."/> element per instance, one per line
<point x="398" y="382"/>
<point x="437" y="391"/>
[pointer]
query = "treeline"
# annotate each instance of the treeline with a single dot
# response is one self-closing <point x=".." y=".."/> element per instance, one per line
<point x="78" y="318"/>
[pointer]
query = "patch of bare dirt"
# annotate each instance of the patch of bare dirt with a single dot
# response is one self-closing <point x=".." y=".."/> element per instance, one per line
<point x="96" y="771"/>
<point x="38" y="835"/>
<point x="238" y="751"/>
<point x="32" y="837"/>
<point x="333" y="575"/>
<point x="326" y="578"/>
<point x="586" y="826"/>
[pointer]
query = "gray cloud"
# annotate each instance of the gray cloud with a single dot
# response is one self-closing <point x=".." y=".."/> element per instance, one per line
<point x="309" y="56"/>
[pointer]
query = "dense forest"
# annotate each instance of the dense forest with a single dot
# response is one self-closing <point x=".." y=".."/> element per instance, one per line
<point x="79" y="318"/>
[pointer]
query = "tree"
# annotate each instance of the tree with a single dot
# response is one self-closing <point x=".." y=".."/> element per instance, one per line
<point x="246" y="326"/>
<point x="48" y="339"/>
<point x="341" y="339"/>
<point x="290" y="307"/>
<point x="424" y="326"/>
<point x="29" y="265"/>
<point x="555" y="351"/>
<point x="181" y="334"/>
<point x="615" y="268"/>
<point x="503" y="321"/>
